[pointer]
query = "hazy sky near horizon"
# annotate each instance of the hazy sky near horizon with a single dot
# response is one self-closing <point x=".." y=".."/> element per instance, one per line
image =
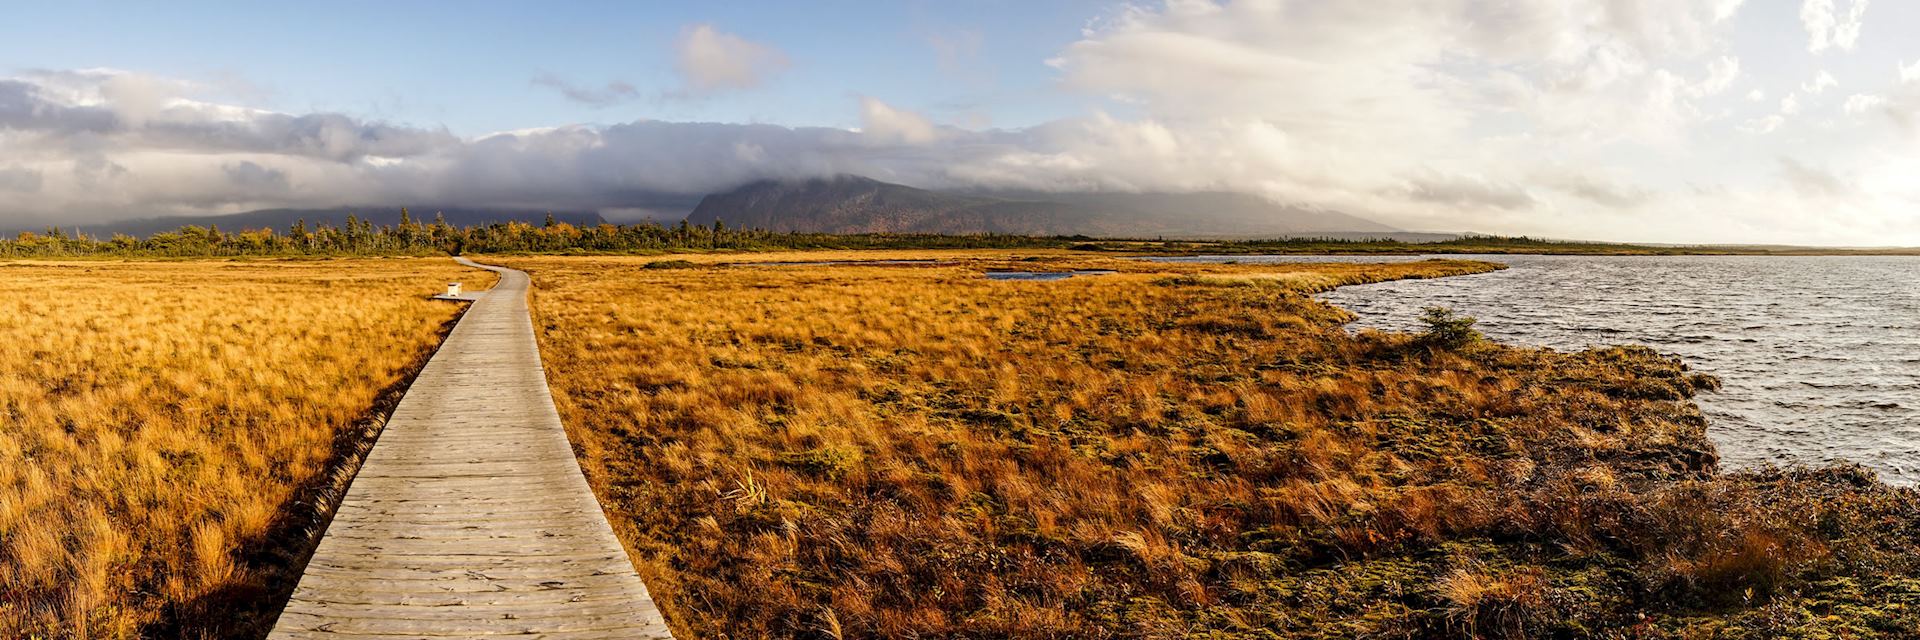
<point x="1656" y="120"/>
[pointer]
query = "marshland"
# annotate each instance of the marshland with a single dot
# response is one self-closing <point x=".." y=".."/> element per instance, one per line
<point x="171" y="433"/>
<point x="1173" y="450"/>
<point x="886" y="443"/>
<point x="1087" y="319"/>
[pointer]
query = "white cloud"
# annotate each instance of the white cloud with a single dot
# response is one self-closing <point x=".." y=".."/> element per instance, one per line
<point x="1902" y="102"/>
<point x="711" y="61"/>
<point x="1720" y="74"/>
<point x="886" y="123"/>
<point x="1413" y="66"/>
<point x="1607" y="119"/>
<point x="1764" y="125"/>
<point x="1826" y="28"/>
<point x="1847" y="33"/>
<point x="1360" y="105"/>
<point x="81" y="110"/>
<point x="71" y="157"/>
<point x="1374" y="110"/>
<point x="1820" y="83"/>
<point x="1863" y="102"/>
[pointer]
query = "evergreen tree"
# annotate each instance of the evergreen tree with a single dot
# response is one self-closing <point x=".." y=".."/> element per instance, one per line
<point x="360" y="236"/>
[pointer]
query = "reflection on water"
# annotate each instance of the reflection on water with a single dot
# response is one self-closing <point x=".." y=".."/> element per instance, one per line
<point x="1818" y="355"/>
<point x="837" y="263"/>
<point x="1044" y="276"/>
<point x="1281" y="259"/>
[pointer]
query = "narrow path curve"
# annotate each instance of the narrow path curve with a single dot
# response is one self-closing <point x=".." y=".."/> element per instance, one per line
<point x="470" y="517"/>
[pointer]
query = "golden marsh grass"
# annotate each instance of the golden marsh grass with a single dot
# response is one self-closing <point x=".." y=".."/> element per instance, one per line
<point x="915" y="449"/>
<point x="1170" y="451"/>
<point x="166" y="426"/>
<point x="1174" y="450"/>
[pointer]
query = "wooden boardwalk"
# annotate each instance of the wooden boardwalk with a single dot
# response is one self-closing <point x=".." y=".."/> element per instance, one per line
<point x="470" y="517"/>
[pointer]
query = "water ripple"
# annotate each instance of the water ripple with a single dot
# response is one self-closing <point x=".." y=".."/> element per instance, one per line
<point x="1817" y="354"/>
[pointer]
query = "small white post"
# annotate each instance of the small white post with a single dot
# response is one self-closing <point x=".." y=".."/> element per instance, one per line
<point x="453" y="289"/>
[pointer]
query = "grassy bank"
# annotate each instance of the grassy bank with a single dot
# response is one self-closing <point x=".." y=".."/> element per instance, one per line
<point x="1495" y="245"/>
<point x="418" y="238"/>
<point x="166" y="428"/>
<point x="1171" y="451"/>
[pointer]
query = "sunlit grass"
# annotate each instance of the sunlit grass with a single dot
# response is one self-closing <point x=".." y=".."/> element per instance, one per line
<point x="909" y="449"/>
<point x="166" y="426"/>
<point x="1173" y="450"/>
<point x="915" y="450"/>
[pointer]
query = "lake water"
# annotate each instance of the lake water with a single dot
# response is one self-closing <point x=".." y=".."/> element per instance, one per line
<point x="838" y="263"/>
<point x="1819" y="356"/>
<point x="1277" y="259"/>
<point x="1044" y="276"/>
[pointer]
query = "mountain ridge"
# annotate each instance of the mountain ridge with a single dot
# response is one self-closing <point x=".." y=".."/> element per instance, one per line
<point x="857" y="204"/>
<point x="279" y="220"/>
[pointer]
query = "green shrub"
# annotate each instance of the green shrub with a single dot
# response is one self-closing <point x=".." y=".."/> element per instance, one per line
<point x="1447" y="330"/>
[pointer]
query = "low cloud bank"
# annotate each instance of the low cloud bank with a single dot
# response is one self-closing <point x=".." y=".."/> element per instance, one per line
<point x="1630" y="120"/>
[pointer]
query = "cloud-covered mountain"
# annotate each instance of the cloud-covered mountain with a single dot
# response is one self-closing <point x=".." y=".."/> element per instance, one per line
<point x="1627" y="120"/>
<point x="854" y="204"/>
<point x="279" y="220"/>
<point x="1208" y="213"/>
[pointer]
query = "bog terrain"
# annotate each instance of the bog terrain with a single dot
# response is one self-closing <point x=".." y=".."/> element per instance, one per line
<point x="167" y="430"/>
<point x="1171" y="451"/>
<point x="801" y="445"/>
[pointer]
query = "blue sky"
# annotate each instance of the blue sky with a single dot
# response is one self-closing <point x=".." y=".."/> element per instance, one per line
<point x="469" y="66"/>
<point x="1657" y="120"/>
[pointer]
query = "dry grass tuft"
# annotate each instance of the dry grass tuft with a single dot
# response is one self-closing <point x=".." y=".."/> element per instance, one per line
<point x="169" y="425"/>
<point x="1494" y="603"/>
<point x="912" y="450"/>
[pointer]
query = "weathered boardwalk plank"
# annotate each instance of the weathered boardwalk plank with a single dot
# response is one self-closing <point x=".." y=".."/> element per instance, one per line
<point x="470" y="517"/>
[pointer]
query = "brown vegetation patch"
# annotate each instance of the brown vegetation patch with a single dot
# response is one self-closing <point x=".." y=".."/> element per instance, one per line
<point x="172" y="430"/>
<point x="1171" y="451"/>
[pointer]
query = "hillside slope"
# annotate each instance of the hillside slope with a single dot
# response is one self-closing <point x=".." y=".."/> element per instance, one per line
<point x="280" y="219"/>
<point x="854" y="204"/>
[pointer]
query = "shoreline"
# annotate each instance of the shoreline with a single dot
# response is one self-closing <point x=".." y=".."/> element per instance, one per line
<point x="1250" y="461"/>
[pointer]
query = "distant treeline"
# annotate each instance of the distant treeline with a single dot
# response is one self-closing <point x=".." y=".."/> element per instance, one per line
<point x="413" y="237"/>
<point x="1463" y="244"/>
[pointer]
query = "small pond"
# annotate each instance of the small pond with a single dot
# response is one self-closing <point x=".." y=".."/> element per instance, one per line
<point x="1044" y="276"/>
<point x="836" y="263"/>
